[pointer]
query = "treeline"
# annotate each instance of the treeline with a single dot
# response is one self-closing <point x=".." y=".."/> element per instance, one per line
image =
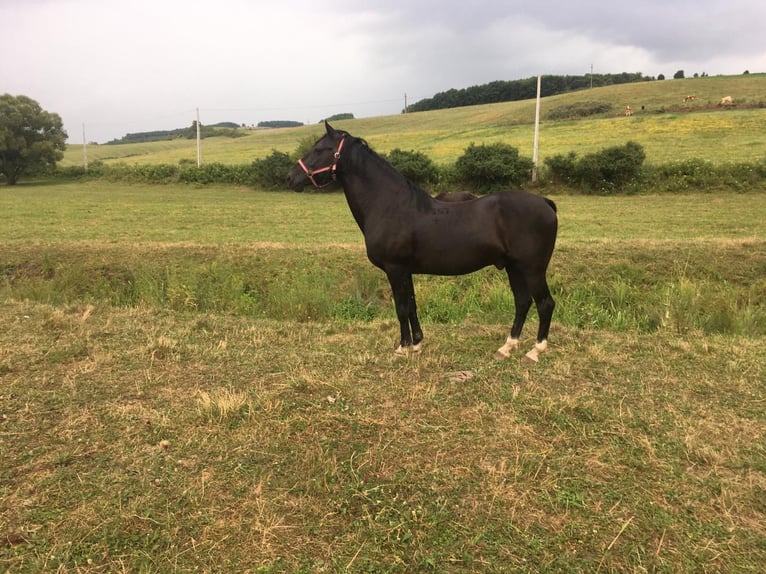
<point x="525" y="89"/>
<point x="279" y="124"/>
<point x="225" y="129"/>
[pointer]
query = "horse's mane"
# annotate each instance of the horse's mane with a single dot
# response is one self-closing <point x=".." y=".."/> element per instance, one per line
<point x="420" y="195"/>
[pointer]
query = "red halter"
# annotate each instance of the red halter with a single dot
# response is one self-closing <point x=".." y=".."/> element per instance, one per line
<point x="333" y="168"/>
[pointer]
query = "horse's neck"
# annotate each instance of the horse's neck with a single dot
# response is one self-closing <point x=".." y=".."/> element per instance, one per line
<point x="375" y="187"/>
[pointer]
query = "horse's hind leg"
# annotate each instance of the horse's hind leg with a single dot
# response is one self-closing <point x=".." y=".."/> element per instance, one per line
<point x="412" y="317"/>
<point x="522" y="301"/>
<point x="545" y="305"/>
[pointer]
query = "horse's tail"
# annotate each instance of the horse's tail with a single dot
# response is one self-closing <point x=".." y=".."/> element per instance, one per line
<point x="550" y="202"/>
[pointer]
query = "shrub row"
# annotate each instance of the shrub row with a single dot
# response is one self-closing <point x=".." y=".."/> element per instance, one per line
<point x="482" y="169"/>
<point x="267" y="173"/>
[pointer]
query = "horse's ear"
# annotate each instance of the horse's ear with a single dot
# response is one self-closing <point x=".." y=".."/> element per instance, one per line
<point x="329" y="128"/>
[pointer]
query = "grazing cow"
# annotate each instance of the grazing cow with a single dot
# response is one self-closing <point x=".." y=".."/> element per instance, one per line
<point x="725" y="101"/>
<point x="628" y="111"/>
<point x="690" y="98"/>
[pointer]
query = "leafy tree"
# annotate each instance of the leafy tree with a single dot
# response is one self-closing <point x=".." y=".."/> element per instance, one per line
<point x="338" y="117"/>
<point x="679" y="75"/>
<point x="31" y="139"/>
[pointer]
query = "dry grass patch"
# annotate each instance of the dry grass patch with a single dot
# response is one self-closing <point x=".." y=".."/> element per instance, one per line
<point x="206" y="441"/>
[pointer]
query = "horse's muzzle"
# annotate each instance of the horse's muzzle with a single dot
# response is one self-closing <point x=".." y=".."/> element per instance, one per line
<point x="296" y="179"/>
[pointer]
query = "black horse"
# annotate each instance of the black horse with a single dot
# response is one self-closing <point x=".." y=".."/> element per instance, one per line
<point x="406" y="231"/>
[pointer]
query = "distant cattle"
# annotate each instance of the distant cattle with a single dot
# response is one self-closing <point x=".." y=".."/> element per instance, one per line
<point x="690" y="98"/>
<point x="628" y="111"/>
<point x="725" y="101"/>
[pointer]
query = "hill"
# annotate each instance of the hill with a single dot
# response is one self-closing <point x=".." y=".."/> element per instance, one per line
<point x="668" y="127"/>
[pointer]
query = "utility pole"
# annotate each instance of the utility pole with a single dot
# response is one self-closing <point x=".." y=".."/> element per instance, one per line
<point x="199" y="143"/>
<point x="405" y="102"/>
<point x="84" y="149"/>
<point x="591" y="76"/>
<point x="537" y="132"/>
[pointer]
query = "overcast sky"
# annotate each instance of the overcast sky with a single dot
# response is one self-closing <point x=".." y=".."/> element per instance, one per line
<point x="123" y="66"/>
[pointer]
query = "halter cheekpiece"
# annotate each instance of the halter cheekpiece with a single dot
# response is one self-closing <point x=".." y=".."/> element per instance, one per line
<point x="332" y="168"/>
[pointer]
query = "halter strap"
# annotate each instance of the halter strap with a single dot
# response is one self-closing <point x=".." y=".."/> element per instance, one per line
<point x="332" y="168"/>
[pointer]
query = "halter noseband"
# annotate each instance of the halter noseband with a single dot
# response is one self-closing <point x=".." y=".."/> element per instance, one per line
<point x="332" y="168"/>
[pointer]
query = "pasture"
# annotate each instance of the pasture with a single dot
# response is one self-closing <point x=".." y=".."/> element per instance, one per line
<point x="203" y="379"/>
<point x="669" y="129"/>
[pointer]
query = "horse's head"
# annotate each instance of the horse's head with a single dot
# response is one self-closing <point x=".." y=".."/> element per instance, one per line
<point x="320" y="165"/>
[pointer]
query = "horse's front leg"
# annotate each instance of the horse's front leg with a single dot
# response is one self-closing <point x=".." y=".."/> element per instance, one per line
<point x="406" y="312"/>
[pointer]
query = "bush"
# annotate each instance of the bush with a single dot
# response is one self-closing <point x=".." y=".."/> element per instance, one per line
<point x="271" y="172"/>
<point x="561" y="168"/>
<point x="605" y="171"/>
<point x="209" y="173"/>
<point x="414" y="165"/>
<point x="579" y="110"/>
<point x="489" y="167"/>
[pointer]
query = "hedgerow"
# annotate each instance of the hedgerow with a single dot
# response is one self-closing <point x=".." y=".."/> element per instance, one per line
<point x="481" y="168"/>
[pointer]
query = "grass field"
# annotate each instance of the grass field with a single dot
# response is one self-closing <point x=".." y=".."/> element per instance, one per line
<point x="662" y="123"/>
<point x="202" y="379"/>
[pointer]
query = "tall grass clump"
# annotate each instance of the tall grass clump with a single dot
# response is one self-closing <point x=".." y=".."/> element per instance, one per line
<point x="224" y="405"/>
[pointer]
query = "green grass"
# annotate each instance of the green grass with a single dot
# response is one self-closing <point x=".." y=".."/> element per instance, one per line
<point x="120" y="213"/>
<point x="665" y="127"/>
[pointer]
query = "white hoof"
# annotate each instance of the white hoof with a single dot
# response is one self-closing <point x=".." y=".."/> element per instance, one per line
<point x="505" y="351"/>
<point x="409" y="349"/>
<point x="534" y="354"/>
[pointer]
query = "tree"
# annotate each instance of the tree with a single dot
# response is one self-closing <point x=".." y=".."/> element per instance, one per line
<point x="31" y="139"/>
<point x="679" y="75"/>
